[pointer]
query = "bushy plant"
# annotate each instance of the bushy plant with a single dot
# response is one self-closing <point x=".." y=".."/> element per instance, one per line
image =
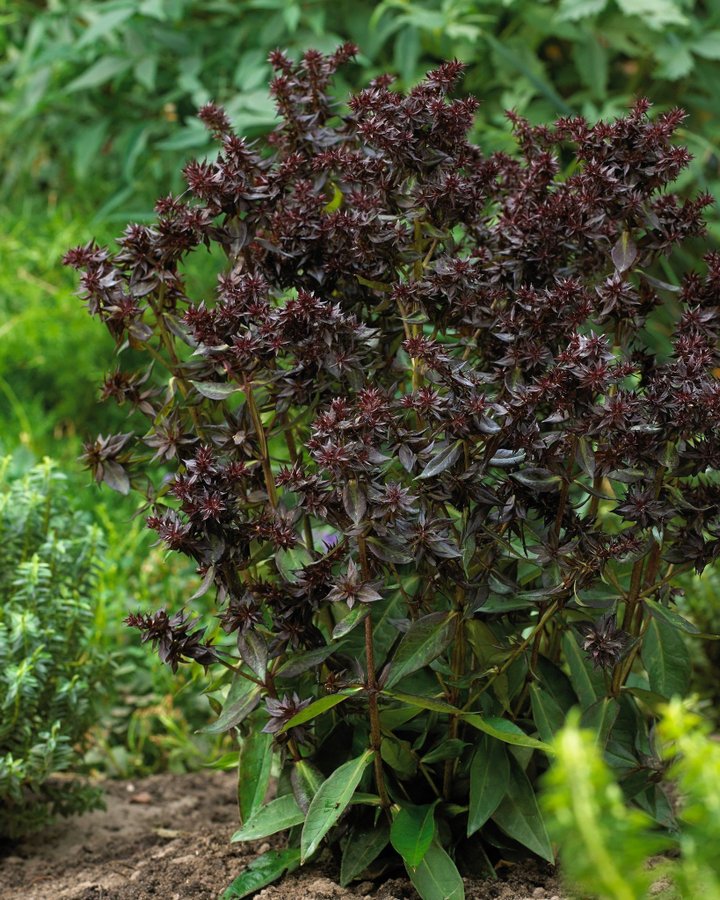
<point x="50" y="673"/>
<point x="605" y="846"/>
<point x="424" y="445"/>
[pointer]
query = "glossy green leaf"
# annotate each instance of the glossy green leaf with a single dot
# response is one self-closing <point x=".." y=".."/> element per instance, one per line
<point x="437" y="877"/>
<point x="241" y="700"/>
<point x="412" y="831"/>
<point x="425" y="640"/>
<point x="519" y="816"/>
<point x="318" y="707"/>
<point x="361" y="849"/>
<point x="666" y="659"/>
<point x="261" y="872"/>
<point x="256" y="754"/>
<point x="309" y="659"/>
<point x="306" y="780"/>
<point x="547" y="715"/>
<point x="506" y="731"/>
<point x="330" y="802"/>
<point x="587" y="682"/>
<point x="277" y="815"/>
<point x="489" y="782"/>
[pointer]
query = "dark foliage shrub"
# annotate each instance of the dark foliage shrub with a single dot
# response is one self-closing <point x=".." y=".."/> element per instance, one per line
<point x="424" y="445"/>
<point x="49" y="668"/>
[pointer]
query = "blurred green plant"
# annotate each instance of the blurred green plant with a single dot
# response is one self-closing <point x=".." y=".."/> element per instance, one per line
<point x="50" y="670"/>
<point x="49" y="357"/>
<point x="605" y="846"/>
<point x="105" y="91"/>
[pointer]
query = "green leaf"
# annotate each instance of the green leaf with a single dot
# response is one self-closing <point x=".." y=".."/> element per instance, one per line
<point x="437" y="877"/>
<point x="450" y="748"/>
<point x="215" y="390"/>
<point x="657" y="14"/>
<point x="508" y="54"/>
<point x="330" y="802"/>
<point x="507" y="732"/>
<point x="103" y="24"/>
<point x="489" y="782"/>
<point x="99" y="73"/>
<point x="425" y="640"/>
<point x="256" y="754"/>
<point x="675" y="62"/>
<point x="361" y="849"/>
<point x="301" y="662"/>
<point x="658" y="611"/>
<point x="306" y="780"/>
<point x="241" y="700"/>
<point x="587" y="682"/>
<point x="261" y="872"/>
<point x="412" y="832"/>
<point x="430" y="703"/>
<point x="318" y="707"/>
<point x="547" y="715"/>
<point x="666" y="659"/>
<point x="442" y="460"/>
<point x="600" y="718"/>
<point x="572" y="10"/>
<point x="275" y="816"/>
<point x="399" y="756"/>
<point x="356" y="615"/>
<point x="708" y="46"/>
<point x="519" y="816"/>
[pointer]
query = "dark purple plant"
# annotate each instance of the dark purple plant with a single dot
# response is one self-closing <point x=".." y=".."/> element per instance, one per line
<point x="441" y="439"/>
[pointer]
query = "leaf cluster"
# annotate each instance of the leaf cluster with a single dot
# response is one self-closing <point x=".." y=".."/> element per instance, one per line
<point x="421" y="443"/>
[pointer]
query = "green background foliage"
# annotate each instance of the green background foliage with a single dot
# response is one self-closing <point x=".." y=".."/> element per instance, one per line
<point x="50" y="667"/>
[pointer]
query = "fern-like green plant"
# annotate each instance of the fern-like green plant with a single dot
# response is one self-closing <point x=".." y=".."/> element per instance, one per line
<point x="49" y="670"/>
<point x="605" y="845"/>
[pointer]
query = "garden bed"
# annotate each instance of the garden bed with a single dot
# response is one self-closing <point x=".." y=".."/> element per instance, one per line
<point x="167" y="837"/>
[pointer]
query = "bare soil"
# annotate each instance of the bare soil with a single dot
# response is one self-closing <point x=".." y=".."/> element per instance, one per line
<point x="167" y="838"/>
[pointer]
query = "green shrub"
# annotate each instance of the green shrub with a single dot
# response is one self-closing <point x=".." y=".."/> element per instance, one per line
<point x="49" y="670"/>
<point x="605" y="846"/>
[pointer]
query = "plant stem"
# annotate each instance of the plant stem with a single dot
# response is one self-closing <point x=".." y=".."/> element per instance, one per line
<point x="372" y="687"/>
<point x="262" y="441"/>
<point x="375" y="736"/>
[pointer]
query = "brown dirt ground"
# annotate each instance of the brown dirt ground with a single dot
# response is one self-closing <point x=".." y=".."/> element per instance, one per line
<point x="167" y="838"/>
